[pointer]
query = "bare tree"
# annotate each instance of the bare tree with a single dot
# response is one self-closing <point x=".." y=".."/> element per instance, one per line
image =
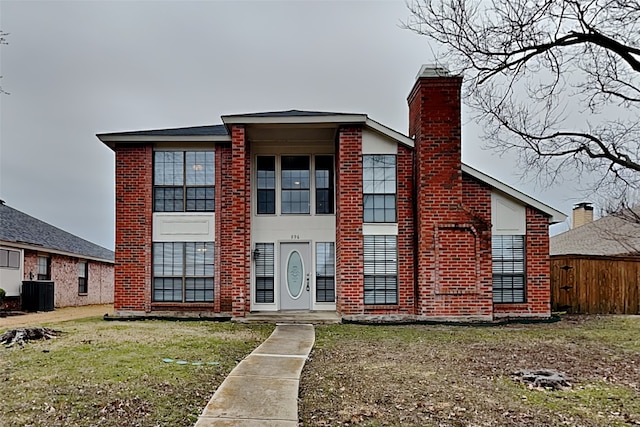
<point x="555" y="81"/>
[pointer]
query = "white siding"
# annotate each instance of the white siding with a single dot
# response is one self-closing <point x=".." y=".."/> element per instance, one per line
<point x="508" y="217"/>
<point x="183" y="227"/>
<point x="374" y="143"/>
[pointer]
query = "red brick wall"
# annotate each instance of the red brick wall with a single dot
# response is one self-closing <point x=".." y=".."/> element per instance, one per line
<point x="406" y="232"/>
<point x="349" y="214"/>
<point x="223" y="290"/>
<point x="234" y="226"/>
<point x="538" y="271"/>
<point x="64" y="274"/>
<point x="134" y="180"/>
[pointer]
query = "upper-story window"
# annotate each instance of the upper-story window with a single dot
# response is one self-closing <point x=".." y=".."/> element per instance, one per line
<point x="305" y="184"/>
<point x="379" y="187"/>
<point x="324" y="184"/>
<point x="266" y="171"/>
<point x="295" y="185"/>
<point x="183" y="181"/>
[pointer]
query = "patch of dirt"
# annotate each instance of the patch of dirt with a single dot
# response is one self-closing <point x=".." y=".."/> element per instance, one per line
<point x="58" y="315"/>
<point x="444" y="376"/>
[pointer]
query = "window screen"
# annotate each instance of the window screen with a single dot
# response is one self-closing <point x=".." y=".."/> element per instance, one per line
<point x="379" y="188"/>
<point x="380" y="270"/>
<point x="264" y="272"/>
<point x="508" y="254"/>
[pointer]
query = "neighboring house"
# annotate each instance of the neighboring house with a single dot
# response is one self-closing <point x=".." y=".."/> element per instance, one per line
<point x="596" y="264"/>
<point x="317" y="211"/>
<point x="31" y="249"/>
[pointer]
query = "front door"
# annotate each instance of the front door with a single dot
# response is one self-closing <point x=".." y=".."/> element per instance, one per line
<point x="295" y="276"/>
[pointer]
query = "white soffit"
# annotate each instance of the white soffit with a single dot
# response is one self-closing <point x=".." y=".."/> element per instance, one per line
<point x="555" y="216"/>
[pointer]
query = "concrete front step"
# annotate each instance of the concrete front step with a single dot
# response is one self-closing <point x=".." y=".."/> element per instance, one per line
<point x="312" y="317"/>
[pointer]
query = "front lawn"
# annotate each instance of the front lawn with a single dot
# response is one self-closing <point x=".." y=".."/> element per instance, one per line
<point x="98" y="373"/>
<point x="441" y="375"/>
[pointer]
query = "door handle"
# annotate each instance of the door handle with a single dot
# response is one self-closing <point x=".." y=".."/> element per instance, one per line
<point x="307" y="282"/>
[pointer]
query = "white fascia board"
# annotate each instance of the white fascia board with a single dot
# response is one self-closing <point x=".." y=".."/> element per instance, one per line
<point x="42" y="249"/>
<point x="380" y="128"/>
<point x="342" y="118"/>
<point x="151" y="138"/>
<point x="555" y="216"/>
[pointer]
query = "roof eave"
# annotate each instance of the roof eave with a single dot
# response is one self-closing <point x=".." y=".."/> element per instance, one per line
<point x="328" y="119"/>
<point x="384" y="130"/>
<point x="555" y="216"/>
<point x="112" y="139"/>
<point x="340" y="118"/>
<point x="39" y="248"/>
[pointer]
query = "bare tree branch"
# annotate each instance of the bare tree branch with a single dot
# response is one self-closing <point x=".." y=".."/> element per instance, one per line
<point x="555" y="81"/>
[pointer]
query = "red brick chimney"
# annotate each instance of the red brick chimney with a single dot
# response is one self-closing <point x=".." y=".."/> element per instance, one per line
<point x="451" y="282"/>
<point x="434" y="122"/>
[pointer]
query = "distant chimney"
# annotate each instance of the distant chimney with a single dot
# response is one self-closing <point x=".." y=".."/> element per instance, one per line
<point x="582" y="214"/>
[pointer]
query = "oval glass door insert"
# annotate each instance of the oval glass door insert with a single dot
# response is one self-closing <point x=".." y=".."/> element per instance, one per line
<point x="295" y="274"/>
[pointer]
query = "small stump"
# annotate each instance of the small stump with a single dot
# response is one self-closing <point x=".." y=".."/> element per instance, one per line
<point x="543" y="379"/>
<point x="22" y="335"/>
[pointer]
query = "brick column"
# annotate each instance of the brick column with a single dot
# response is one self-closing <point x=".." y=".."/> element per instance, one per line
<point x="406" y="232"/>
<point x="133" y="264"/>
<point x="234" y="225"/>
<point x="349" y="215"/>
<point x="222" y="276"/>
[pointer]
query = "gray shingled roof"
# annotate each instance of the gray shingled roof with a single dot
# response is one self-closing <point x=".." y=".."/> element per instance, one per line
<point x="291" y="113"/>
<point x="213" y="130"/>
<point x="221" y="130"/>
<point x="610" y="235"/>
<point x="18" y="227"/>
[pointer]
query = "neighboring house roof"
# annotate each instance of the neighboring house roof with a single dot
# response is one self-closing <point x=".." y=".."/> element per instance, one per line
<point x="28" y="232"/>
<point x="610" y="235"/>
<point x="295" y="117"/>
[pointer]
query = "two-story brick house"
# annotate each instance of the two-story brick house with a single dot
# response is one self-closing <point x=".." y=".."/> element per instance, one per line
<point x="310" y="211"/>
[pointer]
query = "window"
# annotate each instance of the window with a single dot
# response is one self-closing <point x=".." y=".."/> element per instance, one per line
<point x="508" y="256"/>
<point x="379" y="187"/>
<point x="183" y="181"/>
<point x="264" y="259"/>
<point x="44" y="268"/>
<point x="9" y="258"/>
<point x="266" y="166"/>
<point x="325" y="272"/>
<point x="324" y="184"/>
<point x="380" y="269"/>
<point x="295" y="184"/>
<point x="183" y="272"/>
<point x="83" y="277"/>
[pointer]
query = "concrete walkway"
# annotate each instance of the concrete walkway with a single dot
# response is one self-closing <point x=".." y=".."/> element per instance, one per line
<point x="263" y="389"/>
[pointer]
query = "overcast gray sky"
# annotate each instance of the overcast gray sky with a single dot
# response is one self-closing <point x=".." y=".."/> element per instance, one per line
<point x="77" y="68"/>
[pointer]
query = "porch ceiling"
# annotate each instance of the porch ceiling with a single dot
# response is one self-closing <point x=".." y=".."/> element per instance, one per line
<point x="325" y="132"/>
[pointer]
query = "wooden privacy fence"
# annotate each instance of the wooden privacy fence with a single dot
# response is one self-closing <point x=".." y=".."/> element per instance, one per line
<point x="595" y="284"/>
